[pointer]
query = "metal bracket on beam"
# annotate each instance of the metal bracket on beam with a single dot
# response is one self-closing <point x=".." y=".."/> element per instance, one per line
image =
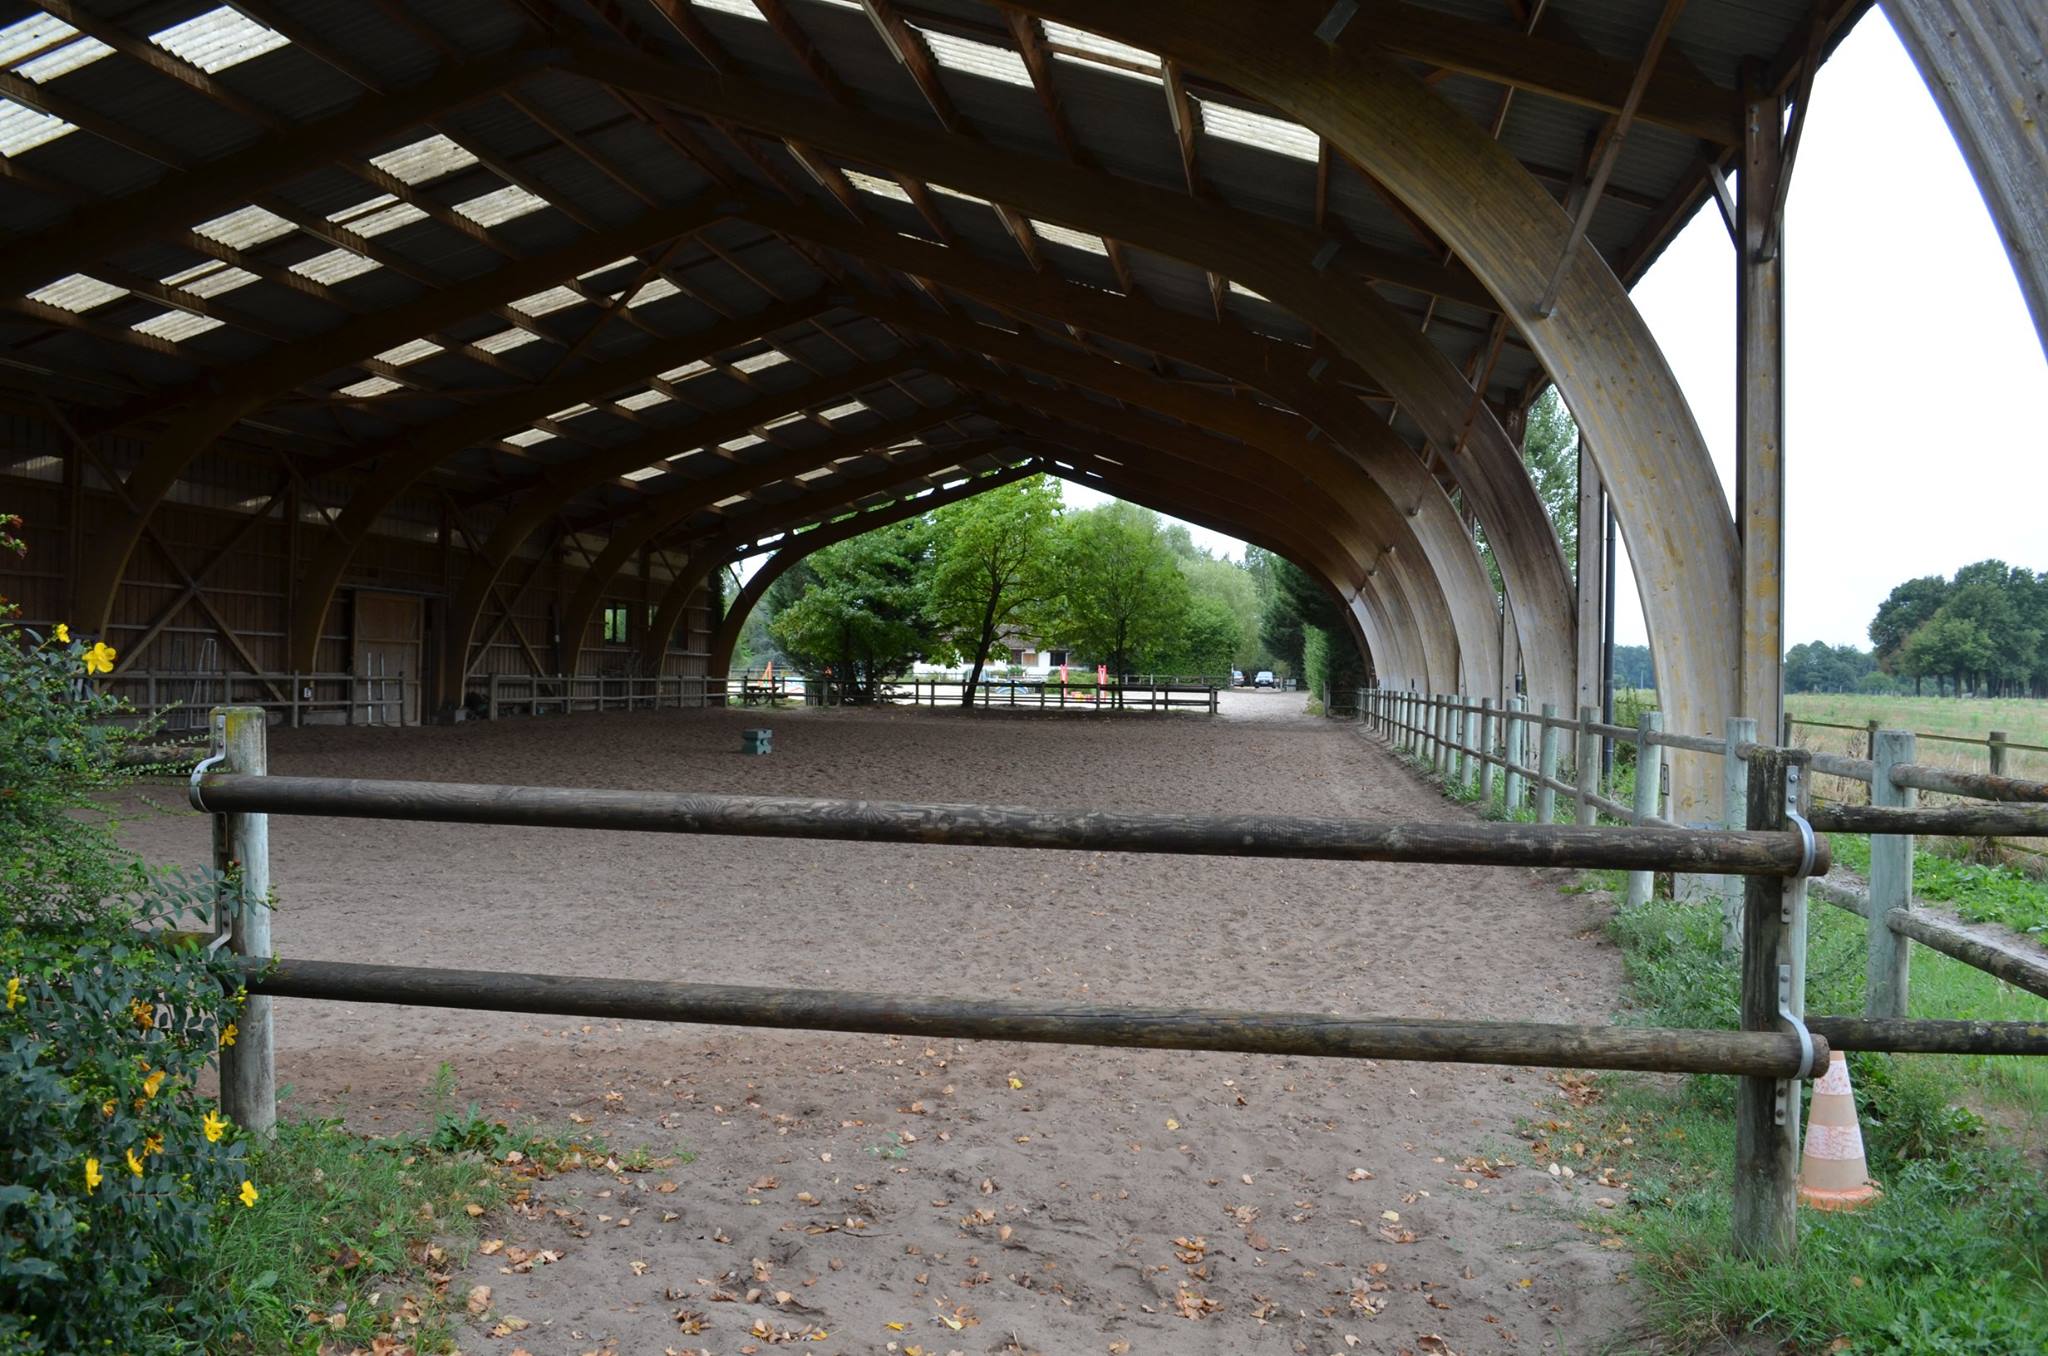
<point x="1782" y="1107"/>
<point x="1334" y="23"/>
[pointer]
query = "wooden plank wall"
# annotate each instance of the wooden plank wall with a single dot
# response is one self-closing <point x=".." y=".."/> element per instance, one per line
<point x="248" y="589"/>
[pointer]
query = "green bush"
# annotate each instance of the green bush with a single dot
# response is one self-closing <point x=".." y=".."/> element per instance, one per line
<point x="112" y="1167"/>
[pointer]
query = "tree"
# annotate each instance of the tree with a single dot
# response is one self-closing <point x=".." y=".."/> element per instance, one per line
<point x="1124" y="595"/>
<point x="1905" y="610"/>
<point x="1550" y="448"/>
<point x="1819" y="667"/>
<point x="994" y="566"/>
<point x="1230" y="587"/>
<point x="1300" y="606"/>
<point x="864" y="616"/>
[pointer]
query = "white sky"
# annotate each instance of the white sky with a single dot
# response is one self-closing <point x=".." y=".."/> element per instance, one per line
<point x="1913" y="370"/>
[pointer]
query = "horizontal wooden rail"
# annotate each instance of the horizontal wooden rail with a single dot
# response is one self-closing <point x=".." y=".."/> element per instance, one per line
<point x="1956" y="821"/>
<point x="1979" y="785"/>
<point x="1925" y="1036"/>
<point x="1733" y="852"/>
<point x="1761" y="1054"/>
<point x="2015" y="962"/>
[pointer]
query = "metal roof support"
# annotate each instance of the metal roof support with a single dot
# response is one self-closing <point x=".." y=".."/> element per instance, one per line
<point x="1760" y="408"/>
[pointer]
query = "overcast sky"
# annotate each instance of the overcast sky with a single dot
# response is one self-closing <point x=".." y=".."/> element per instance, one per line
<point x="1915" y="440"/>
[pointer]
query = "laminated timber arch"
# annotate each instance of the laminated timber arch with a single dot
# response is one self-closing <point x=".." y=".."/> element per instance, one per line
<point x="1268" y="254"/>
<point x="1494" y="216"/>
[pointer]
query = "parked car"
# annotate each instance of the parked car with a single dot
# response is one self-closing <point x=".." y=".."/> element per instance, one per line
<point x="1237" y="677"/>
<point x="1265" y="678"/>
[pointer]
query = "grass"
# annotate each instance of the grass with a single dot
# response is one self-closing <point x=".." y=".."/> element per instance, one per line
<point x="1953" y="1258"/>
<point x="354" y="1238"/>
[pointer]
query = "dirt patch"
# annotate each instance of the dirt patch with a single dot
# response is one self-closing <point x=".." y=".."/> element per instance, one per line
<point x="1041" y="1198"/>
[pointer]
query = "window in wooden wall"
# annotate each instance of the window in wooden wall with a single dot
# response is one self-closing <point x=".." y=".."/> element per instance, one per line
<point x="615" y="625"/>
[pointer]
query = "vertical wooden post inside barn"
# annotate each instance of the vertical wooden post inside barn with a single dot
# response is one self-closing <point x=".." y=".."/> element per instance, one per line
<point x="1740" y="730"/>
<point x="1546" y="766"/>
<point x="241" y="853"/>
<point x="1764" y="1213"/>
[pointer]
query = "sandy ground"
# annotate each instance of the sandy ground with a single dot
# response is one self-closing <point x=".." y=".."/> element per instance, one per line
<point x="987" y="1197"/>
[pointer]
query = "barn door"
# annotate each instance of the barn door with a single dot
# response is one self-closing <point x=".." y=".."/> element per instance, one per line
<point x="389" y="652"/>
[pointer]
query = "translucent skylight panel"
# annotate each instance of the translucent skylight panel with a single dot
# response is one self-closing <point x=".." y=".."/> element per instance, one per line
<point x="1262" y="130"/>
<point x="210" y="279"/>
<point x="571" y="411"/>
<point x="742" y="443"/>
<point x="504" y="341"/>
<point x="964" y="197"/>
<point x="815" y="473"/>
<point x="245" y="227"/>
<point x="219" y="39"/>
<point x="647" y="472"/>
<point x="26" y="37"/>
<point x="587" y="274"/>
<point x="375" y="216"/>
<point x="548" y="302"/>
<point x="1062" y="235"/>
<point x="785" y="421"/>
<point x="370" y="386"/>
<point x="685" y="372"/>
<point x="645" y="400"/>
<point x="761" y="362"/>
<point x="742" y="8"/>
<point x="175" y="326"/>
<point x="875" y="184"/>
<point x="528" y="437"/>
<point x="976" y="58"/>
<point x="501" y="205"/>
<point x="1244" y="291"/>
<point x="409" y="352"/>
<point x="1080" y="39"/>
<point x="841" y="411"/>
<point x="23" y="128"/>
<point x="657" y="289"/>
<point x="729" y="501"/>
<point x="334" y="266"/>
<point x="77" y="293"/>
<point x="425" y="161"/>
<point x="42" y="47"/>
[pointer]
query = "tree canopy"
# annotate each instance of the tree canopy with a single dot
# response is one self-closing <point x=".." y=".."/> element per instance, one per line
<point x="993" y="567"/>
<point x="1984" y="630"/>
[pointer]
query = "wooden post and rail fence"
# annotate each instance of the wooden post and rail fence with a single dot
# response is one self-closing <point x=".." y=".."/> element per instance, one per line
<point x="1998" y="806"/>
<point x="1769" y="858"/>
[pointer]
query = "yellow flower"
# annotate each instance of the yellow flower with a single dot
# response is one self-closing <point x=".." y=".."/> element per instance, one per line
<point x="216" y="1126"/>
<point x="134" y="1163"/>
<point x="227" y="1034"/>
<point x="248" y="1194"/>
<point x="15" y="997"/>
<point x="92" y="1175"/>
<point x="100" y="658"/>
<point x="152" y="1144"/>
<point x="107" y="1107"/>
<point x="143" y="1013"/>
<point x="153" y="1082"/>
<point x="63" y="634"/>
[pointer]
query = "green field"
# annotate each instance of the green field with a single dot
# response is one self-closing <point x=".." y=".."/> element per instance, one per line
<point x="2024" y="722"/>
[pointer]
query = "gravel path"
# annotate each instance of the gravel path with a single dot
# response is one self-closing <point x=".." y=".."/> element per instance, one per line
<point x="1046" y="1199"/>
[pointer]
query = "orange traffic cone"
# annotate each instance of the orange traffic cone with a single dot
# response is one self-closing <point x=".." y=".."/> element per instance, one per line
<point x="1833" y="1175"/>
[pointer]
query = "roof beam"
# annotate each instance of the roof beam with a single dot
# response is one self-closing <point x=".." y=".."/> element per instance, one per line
<point x="1676" y="98"/>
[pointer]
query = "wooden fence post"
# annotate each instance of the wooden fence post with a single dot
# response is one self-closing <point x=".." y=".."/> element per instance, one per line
<point x="1765" y="1207"/>
<point x="241" y="853"/>
<point x="1584" y="811"/>
<point x="1488" y="728"/>
<point x="1649" y="766"/>
<point x="1546" y="767"/>
<point x="1517" y="755"/>
<point x="1889" y="959"/>
<point x="1996" y="748"/>
<point x="1468" y="736"/>
<point x="1734" y="810"/>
